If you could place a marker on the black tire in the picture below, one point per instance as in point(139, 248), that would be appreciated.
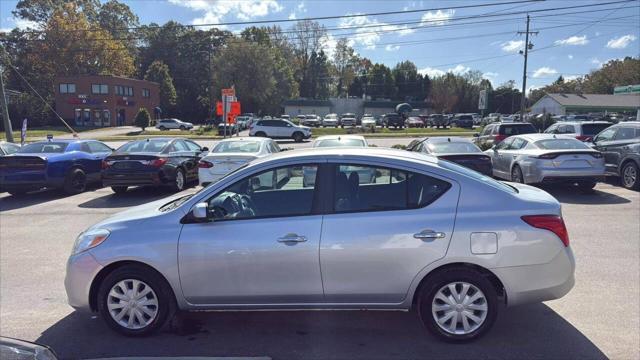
point(586, 186)
point(177, 185)
point(75, 182)
point(342, 126)
point(516, 175)
point(630, 176)
point(261, 134)
point(297, 137)
point(182, 128)
point(162, 128)
point(441, 279)
point(163, 295)
point(119, 189)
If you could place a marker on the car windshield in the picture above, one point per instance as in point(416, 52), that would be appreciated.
point(561, 144)
point(593, 129)
point(148, 146)
point(339, 142)
point(43, 147)
point(237, 147)
point(453, 147)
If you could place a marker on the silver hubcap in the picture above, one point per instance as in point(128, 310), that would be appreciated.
point(630, 175)
point(459, 308)
point(132, 304)
point(179, 180)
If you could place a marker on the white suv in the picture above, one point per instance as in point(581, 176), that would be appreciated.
point(167, 124)
point(280, 129)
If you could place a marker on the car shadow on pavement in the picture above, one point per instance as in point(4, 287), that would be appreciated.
point(12, 202)
point(572, 195)
point(533, 331)
point(133, 197)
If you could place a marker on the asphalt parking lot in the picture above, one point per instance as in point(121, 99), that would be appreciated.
point(599, 318)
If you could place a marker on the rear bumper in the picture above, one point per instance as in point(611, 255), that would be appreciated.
point(205, 177)
point(156, 178)
point(534, 175)
point(541, 282)
point(29, 181)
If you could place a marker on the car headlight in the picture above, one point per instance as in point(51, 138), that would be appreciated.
point(89, 239)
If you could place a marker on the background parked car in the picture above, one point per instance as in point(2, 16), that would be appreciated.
point(393, 120)
point(547, 158)
point(280, 129)
point(63, 164)
point(311, 120)
point(414, 122)
point(7, 148)
point(462, 121)
point(340, 140)
point(165, 162)
point(581, 130)
point(230, 154)
point(368, 122)
point(455, 149)
point(168, 124)
point(230, 128)
point(438, 120)
point(348, 119)
point(285, 117)
point(620, 146)
point(330, 120)
point(493, 133)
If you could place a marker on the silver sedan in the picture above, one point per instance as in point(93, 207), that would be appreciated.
point(547, 158)
point(260, 238)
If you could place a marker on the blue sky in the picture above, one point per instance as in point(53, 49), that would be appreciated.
point(436, 41)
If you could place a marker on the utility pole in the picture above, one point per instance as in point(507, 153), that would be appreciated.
point(5, 111)
point(527, 47)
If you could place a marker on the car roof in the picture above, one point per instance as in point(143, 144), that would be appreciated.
point(634, 123)
point(329, 137)
point(68, 141)
point(580, 122)
point(442, 139)
point(544, 136)
point(244, 138)
point(311, 154)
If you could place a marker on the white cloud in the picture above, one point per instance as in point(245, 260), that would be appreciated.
point(433, 72)
point(512, 46)
point(329, 45)
point(300, 9)
point(368, 32)
point(570, 57)
point(621, 42)
point(21, 24)
point(392, 47)
point(215, 10)
point(436, 18)
point(489, 75)
point(571, 77)
point(544, 71)
point(573, 40)
point(292, 16)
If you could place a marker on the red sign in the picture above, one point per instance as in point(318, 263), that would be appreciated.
point(231, 118)
point(219, 108)
point(235, 108)
point(229, 92)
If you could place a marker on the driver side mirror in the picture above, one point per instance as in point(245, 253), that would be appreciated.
point(204, 149)
point(200, 212)
point(476, 135)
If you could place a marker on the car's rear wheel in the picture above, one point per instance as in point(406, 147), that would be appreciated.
point(261, 134)
point(297, 137)
point(630, 176)
point(119, 189)
point(134, 301)
point(162, 128)
point(458, 305)
point(179, 181)
point(516, 174)
point(75, 182)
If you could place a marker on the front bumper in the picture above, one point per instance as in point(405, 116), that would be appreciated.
point(81, 270)
point(541, 282)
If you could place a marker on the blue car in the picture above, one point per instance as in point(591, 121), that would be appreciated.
point(63, 164)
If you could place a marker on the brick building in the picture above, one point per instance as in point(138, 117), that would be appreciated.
point(104, 100)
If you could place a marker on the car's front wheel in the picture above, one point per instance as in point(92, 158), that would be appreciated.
point(458, 305)
point(630, 176)
point(516, 175)
point(75, 182)
point(179, 181)
point(297, 137)
point(261, 134)
point(134, 300)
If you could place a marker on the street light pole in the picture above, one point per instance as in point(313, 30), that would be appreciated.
point(527, 45)
point(5, 111)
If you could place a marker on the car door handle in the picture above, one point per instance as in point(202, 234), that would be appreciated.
point(429, 235)
point(292, 238)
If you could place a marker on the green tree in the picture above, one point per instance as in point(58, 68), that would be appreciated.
point(116, 18)
point(142, 119)
point(159, 72)
point(344, 60)
point(41, 11)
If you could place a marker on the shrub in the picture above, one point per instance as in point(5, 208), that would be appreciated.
point(142, 119)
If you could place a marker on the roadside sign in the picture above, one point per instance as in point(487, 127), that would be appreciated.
point(219, 108)
point(483, 100)
point(228, 92)
point(235, 108)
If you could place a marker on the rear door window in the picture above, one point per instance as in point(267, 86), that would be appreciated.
point(517, 144)
point(96, 147)
point(625, 133)
point(365, 188)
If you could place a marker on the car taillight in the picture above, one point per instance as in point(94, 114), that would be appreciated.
point(546, 156)
point(204, 164)
point(499, 138)
point(553, 223)
point(158, 162)
point(583, 137)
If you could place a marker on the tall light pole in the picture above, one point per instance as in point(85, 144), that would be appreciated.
point(5, 111)
point(527, 47)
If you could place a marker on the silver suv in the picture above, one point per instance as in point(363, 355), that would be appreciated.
point(168, 124)
point(280, 129)
point(260, 238)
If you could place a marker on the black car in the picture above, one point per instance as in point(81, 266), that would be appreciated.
point(156, 162)
point(455, 149)
point(393, 119)
point(620, 146)
point(462, 121)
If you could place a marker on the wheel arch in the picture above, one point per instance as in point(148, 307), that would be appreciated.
point(493, 279)
point(104, 272)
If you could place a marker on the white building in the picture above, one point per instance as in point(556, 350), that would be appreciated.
point(563, 104)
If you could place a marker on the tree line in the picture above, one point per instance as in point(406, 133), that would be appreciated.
point(267, 64)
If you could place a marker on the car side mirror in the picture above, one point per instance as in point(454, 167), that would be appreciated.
point(200, 212)
point(204, 149)
point(476, 135)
